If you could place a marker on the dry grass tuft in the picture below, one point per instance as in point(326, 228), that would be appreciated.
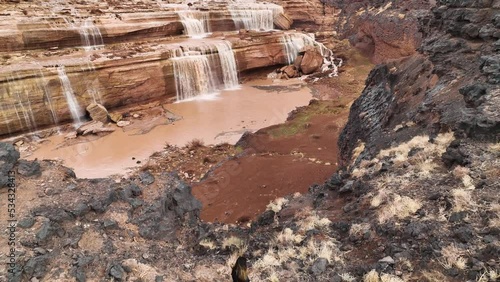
point(140, 271)
point(452, 257)
point(357, 151)
point(390, 278)
point(277, 204)
point(359, 229)
point(371, 276)
point(379, 199)
point(313, 222)
point(462, 200)
point(347, 277)
point(399, 207)
point(434, 276)
point(207, 243)
point(400, 152)
point(495, 147)
point(287, 237)
point(239, 243)
point(195, 144)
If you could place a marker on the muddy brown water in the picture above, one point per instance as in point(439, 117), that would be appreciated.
point(212, 119)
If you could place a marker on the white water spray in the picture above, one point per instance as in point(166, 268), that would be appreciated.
point(74, 108)
point(254, 16)
point(195, 22)
point(197, 73)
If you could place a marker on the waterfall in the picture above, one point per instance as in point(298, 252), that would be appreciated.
point(195, 22)
point(23, 105)
point(193, 76)
point(197, 72)
point(4, 111)
point(254, 16)
point(74, 108)
point(47, 95)
point(90, 35)
point(294, 43)
point(228, 64)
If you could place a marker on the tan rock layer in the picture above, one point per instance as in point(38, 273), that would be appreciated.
point(39, 34)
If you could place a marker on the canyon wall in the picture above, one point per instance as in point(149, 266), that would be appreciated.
point(451, 83)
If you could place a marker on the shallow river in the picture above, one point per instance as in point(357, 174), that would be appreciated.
point(215, 119)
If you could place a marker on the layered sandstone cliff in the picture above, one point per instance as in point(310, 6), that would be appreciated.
point(116, 54)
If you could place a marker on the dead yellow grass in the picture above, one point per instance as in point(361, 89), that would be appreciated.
point(277, 204)
point(462, 200)
point(140, 271)
point(357, 151)
point(452, 256)
point(399, 207)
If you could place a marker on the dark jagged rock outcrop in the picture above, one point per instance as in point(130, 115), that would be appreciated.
point(451, 83)
point(8, 158)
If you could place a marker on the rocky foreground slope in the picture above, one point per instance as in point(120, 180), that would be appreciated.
point(417, 198)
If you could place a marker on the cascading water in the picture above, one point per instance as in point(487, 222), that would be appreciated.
point(195, 22)
point(74, 108)
point(293, 43)
point(23, 105)
point(196, 71)
point(47, 95)
point(228, 63)
point(254, 16)
point(90, 35)
point(193, 76)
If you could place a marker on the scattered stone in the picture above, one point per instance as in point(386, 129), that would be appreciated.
point(146, 177)
point(89, 127)
point(266, 218)
point(123, 123)
point(182, 201)
point(115, 117)
point(454, 156)
point(319, 266)
point(98, 112)
point(283, 21)
point(116, 271)
point(80, 209)
point(26, 222)
point(347, 188)
point(457, 217)
point(465, 234)
point(28, 168)
point(8, 158)
point(36, 267)
point(71, 135)
point(45, 231)
point(388, 260)
point(40, 251)
point(311, 61)
point(290, 71)
point(109, 224)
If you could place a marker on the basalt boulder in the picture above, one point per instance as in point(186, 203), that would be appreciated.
point(8, 158)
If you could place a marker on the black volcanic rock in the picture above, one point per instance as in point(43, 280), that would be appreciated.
point(8, 158)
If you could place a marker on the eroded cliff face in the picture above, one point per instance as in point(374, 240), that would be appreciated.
point(450, 84)
point(116, 54)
